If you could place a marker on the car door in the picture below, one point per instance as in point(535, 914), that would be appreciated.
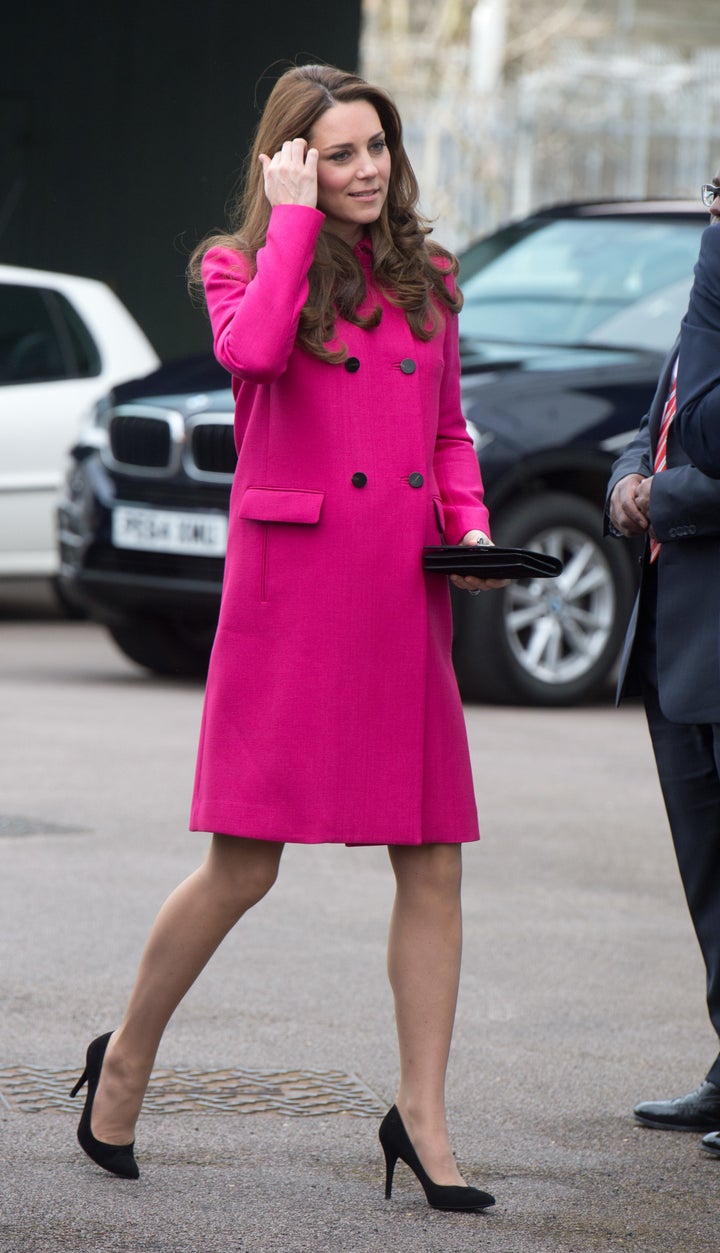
point(49, 368)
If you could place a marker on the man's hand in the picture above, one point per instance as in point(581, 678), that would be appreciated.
point(630, 505)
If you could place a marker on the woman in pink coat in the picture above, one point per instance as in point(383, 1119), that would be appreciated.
point(332, 713)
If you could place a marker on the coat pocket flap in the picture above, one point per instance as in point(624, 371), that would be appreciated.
point(281, 504)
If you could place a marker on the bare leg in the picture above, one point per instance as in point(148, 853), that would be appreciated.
point(424, 950)
point(191, 924)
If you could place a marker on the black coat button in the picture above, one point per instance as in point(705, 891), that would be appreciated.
point(352, 365)
point(359, 479)
point(416, 480)
point(408, 366)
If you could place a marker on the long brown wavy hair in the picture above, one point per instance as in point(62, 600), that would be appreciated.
point(404, 260)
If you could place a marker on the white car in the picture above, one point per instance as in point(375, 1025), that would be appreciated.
point(64, 342)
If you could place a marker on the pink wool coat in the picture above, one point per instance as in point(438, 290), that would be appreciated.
point(332, 713)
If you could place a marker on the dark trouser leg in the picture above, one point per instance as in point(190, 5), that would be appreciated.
point(688, 763)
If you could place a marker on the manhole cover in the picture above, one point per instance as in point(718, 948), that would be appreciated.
point(299, 1093)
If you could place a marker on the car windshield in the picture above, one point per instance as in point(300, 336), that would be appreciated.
point(609, 282)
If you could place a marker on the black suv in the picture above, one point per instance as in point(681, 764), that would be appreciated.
point(568, 315)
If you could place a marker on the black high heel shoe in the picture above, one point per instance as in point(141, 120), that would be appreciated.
point(117, 1158)
point(396, 1144)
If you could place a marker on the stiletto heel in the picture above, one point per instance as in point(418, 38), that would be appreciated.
point(396, 1144)
point(390, 1160)
point(119, 1159)
point(80, 1082)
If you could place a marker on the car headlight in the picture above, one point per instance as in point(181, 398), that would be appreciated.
point(93, 435)
point(74, 482)
point(91, 439)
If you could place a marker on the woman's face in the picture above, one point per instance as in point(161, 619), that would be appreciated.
point(353, 167)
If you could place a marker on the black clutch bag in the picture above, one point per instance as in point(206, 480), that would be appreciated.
point(487, 561)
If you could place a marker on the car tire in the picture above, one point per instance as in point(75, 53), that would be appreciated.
point(166, 647)
point(547, 641)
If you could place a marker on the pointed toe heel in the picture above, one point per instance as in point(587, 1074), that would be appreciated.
point(397, 1144)
point(119, 1159)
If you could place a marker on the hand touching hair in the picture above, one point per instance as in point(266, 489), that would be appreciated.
point(410, 269)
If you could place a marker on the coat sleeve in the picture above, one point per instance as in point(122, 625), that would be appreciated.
point(254, 317)
point(684, 505)
point(636, 458)
point(457, 472)
point(697, 421)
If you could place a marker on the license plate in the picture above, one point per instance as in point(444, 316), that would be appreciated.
point(169, 531)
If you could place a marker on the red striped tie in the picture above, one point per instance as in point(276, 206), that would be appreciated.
point(660, 461)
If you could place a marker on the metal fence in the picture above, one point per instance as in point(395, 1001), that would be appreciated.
point(589, 126)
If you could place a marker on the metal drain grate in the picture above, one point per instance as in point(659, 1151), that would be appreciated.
point(299, 1093)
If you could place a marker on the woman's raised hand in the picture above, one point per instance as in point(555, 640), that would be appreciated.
point(291, 175)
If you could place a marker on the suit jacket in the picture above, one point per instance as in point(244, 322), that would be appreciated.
point(685, 515)
point(698, 416)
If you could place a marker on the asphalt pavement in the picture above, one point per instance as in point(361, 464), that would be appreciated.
point(582, 993)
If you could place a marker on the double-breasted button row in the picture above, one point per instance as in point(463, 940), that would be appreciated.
point(407, 365)
point(359, 479)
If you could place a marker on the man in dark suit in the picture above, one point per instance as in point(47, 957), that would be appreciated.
point(698, 409)
point(671, 658)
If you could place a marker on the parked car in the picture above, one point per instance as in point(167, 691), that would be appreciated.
point(568, 315)
point(64, 341)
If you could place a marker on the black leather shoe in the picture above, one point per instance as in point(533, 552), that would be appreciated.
point(698, 1111)
point(711, 1144)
